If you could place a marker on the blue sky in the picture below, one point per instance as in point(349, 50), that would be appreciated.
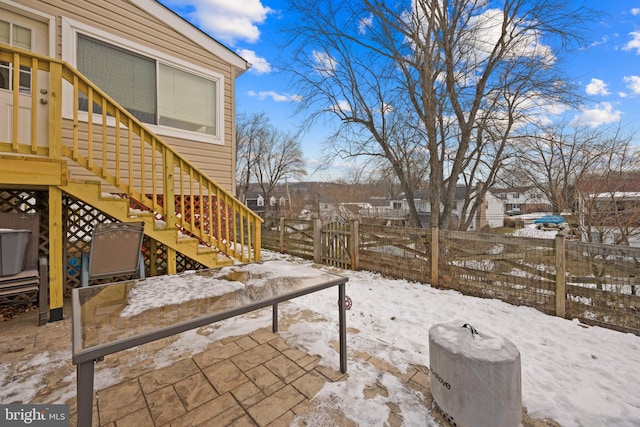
point(607, 71)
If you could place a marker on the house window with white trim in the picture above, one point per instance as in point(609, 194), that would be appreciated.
point(17, 36)
point(154, 92)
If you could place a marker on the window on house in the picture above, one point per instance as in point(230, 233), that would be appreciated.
point(17, 36)
point(516, 195)
point(153, 92)
point(186, 101)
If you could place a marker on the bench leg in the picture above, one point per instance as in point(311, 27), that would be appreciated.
point(343, 327)
point(84, 383)
point(274, 312)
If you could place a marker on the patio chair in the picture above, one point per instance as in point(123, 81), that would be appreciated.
point(24, 275)
point(115, 252)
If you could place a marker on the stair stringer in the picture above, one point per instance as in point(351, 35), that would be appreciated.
point(91, 192)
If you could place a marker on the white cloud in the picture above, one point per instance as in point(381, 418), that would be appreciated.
point(226, 21)
point(324, 63)
point(343, 106)
point(600, 115)
point(633, 83)
point(259, 65)
point(603, 40)
point(275, 96)
point(634, 44)
point(597, 87)
point(635, 11)
point(365, 23)
point(488, 28)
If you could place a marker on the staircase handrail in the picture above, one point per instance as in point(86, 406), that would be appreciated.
point(163, 173)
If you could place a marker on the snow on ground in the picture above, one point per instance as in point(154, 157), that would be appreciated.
point(530, 230)
point(574, 374)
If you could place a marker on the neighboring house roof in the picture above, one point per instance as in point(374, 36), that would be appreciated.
point(598, 185)
point(425, 194)
point(190, 31)
point(511, 190)
point(252, 195)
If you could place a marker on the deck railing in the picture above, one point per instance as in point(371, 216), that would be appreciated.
point(110, 143)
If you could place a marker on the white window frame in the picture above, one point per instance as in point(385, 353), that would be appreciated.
point(70, 30)
point(24, 71)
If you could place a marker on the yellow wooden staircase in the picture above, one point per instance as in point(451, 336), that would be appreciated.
point(107, 158)
point(119, 208)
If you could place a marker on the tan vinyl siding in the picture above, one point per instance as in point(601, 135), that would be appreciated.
point(127, 21)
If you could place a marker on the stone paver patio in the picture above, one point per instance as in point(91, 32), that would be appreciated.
point(249, 380)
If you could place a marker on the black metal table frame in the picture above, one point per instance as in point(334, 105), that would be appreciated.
point(86, 359)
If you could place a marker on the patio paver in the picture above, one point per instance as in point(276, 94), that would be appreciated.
point(256, 379)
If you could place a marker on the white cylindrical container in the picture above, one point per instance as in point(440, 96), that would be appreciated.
point(475, 376)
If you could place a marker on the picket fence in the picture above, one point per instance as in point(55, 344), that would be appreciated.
point(594, 283)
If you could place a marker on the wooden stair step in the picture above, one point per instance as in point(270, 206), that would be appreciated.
point(91, 192)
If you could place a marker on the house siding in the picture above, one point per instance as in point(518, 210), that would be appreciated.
point(128, 21)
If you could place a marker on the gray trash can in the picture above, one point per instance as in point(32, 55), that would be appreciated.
point(475, 376)
point(13, 250)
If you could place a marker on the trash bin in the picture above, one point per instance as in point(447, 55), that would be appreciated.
point(475, 376)
point(13, 250)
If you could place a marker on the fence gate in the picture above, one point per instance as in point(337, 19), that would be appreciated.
point(335, 249)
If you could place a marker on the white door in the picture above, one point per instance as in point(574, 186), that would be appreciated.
point(26, 33)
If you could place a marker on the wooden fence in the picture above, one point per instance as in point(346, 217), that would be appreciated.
point(597, 284)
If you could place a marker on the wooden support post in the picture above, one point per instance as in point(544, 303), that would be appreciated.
point(561, 268)
point(281, 234)
point(317, 240)
point(171, 261)
point(354, 244)
point(170, 207)
point(153, 257)
point(435, 253)
point(55, 111)
point(56, 245)
point(257, 234)
point(56, 239)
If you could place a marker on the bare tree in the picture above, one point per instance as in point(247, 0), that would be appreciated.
point(278, 156)
point(609, 197)
point(445, 81)
point(250, 130)
point(265, 155)
point(558, 156)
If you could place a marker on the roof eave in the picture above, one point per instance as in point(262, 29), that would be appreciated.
point(193, 33)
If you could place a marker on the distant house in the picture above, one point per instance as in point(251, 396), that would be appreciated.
point(609, 208)
point(255, 202)
point(490, 213)
point(522, 200)
point(277, 204)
